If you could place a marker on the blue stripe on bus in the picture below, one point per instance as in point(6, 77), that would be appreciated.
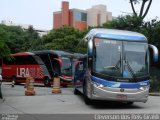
point(107, 83)
point(122, 37)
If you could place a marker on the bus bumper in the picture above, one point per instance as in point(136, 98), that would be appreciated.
point(116, 94)
point(66, 79)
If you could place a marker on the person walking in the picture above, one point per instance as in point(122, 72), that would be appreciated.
point(1, 97)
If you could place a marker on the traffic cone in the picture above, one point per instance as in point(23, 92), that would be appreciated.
point(56, 85)
point(29, 86)
point(12, 84)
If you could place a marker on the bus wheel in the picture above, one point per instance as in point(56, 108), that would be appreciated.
point(129, 103)
point(13, 79)
point(86, 99)
point(46, 82)
point(64, 85)
point(76, 92)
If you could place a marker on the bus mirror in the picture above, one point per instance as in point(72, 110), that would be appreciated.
point(155, 52)
point(90, 48)
point(59, 61)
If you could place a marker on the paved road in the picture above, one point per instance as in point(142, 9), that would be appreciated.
point(44, 102)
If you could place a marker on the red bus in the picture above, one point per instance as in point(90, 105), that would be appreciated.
point(41, 65)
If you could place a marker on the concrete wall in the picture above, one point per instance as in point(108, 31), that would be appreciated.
point(57, 20)
point(92, 17)
point(97, 15)
point(109, 16)
point(80, 25)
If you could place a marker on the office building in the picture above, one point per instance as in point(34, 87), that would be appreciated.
point(81, 19)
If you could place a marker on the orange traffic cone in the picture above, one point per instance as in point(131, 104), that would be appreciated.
point(29, 86)
point(56, 85)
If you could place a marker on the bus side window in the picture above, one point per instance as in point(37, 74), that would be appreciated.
point(9, 62)
point(23, 60)
point(57, 68)
point(29, 60)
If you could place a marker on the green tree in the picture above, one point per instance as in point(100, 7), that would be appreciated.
point(4, 49)
point(32, 40)
point(65, 38)
point(151, 29)
point(124, 23)
point(18, 39)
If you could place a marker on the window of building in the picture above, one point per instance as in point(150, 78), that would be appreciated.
point(79, 16)
point(83, 16)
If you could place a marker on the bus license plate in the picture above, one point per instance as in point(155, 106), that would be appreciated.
point(121, 96)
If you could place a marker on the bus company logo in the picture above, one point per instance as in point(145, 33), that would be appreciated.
point(121, 90)
point(34, 72)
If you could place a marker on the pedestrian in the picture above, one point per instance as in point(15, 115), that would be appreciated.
point(1, 97)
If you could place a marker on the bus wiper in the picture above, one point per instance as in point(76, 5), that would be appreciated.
point(130, 69)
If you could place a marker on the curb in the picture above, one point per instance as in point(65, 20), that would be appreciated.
point(154, 94)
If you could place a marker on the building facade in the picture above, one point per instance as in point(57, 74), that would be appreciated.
point(81, 19)
point(97, 15)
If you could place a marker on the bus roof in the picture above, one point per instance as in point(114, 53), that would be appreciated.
point(79, 55)
point(56, 52)
point(22, 54)
point(116, 34)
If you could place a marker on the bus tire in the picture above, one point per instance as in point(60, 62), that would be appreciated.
point(76, 92)
point(86, 99)
point(129, 103)
point(47, 82)
point(64, 85)
point(13, 79)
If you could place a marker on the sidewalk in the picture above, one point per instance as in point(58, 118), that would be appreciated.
point(154, 94)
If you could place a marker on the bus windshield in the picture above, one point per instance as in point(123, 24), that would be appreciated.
point(136, 58)
point(122, 59)
point(66, 66)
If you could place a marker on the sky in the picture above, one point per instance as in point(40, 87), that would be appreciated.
point(39, 13)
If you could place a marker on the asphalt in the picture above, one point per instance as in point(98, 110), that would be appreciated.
point(46, 103)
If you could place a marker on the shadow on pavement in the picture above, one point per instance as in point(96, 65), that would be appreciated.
point(102, 104)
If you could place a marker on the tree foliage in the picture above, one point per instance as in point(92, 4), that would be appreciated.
point(151, 29)
point(124, 23)
point(14, 39)
point(32, 41)
point(4, 49)
point(65, 38)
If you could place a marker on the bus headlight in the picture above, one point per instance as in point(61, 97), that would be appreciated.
point(144, 88)
point(98, 85)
